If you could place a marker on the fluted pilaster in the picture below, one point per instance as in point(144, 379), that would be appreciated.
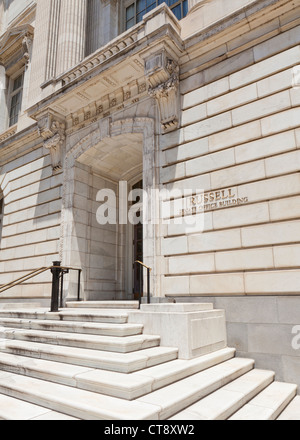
point(3, 106)
point(94, 26)
point(53, 14)
point(43, 66)
point(72, 34)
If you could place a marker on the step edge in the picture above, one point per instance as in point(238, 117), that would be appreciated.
point(206, 389)
point(13, 387)
point(244, 398)
point(19, 362)
point(88, 358)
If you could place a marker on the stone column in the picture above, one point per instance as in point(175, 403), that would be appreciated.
point(2, 16)
point(94, 27)
point(44, 52)
point(54, 14)
point(72, 34)
point(109, 22)
point(3, 106)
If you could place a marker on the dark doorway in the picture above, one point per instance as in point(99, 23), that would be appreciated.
point(138, 251)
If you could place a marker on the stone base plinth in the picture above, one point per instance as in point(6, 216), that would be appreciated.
point(195, 329)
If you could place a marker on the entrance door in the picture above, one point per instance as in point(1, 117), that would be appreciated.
point(137, 252)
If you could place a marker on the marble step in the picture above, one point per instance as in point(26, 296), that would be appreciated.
point(268, 404)
point(74, 402)
point(18, 305)
point(292, 411)
point(126, 386)
point(103, 304)
point(92, 328)
point(16, 409)
point(106, 360)
point(96, 342)
point(181, 394)
point(228, 399)
point(157, 405)
point(103, 316)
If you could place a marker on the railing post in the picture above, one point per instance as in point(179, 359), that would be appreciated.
point(62, 286)
point(55, 286)
point(78, 285)
point(142, 265)
point(148, 285)
point(141, 285)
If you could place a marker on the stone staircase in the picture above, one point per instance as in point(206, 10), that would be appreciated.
point(88, 361)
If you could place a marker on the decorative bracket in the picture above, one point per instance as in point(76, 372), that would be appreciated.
point(52, 129)
point(162, 73)
point(27, 43)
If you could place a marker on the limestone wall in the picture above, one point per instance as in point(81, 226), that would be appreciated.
point(31, 221)
point(265, 329)
point(239, 133)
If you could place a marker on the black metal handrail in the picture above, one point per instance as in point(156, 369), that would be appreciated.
point(141, 281)
point(58, 272)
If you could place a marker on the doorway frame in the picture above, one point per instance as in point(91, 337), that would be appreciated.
point(97, 132)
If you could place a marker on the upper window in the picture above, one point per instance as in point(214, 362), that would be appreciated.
point(15, 98)
point(138, 8)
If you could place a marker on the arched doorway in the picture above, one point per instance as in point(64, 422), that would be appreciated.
point(123, 152)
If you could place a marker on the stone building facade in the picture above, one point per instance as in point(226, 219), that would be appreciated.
point(196, 97)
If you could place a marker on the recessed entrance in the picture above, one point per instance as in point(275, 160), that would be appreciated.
point(102, 249)
point(117, 153)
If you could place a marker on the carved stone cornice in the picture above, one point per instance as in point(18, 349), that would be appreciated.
point(15, 44)
point(162, 73)
point(51, 128)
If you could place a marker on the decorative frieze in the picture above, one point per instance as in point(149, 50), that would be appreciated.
point(128, 95)
point(52, 129)
point(162, 73)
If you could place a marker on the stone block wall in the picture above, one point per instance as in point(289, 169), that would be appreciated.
point(239, 135)
point(266, 329)
point(31, 222)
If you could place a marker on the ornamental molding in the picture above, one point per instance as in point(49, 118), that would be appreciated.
point(15, 45)
point(27, 44)
point(109, 104)
point(119, 46)
point(51, 127)
point(162, 74)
